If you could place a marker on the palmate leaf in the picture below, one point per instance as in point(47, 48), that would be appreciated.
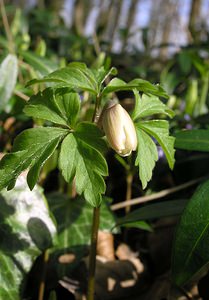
point(74, 219)
point(30, 150)
point(58, 106)
point(82, 159)
point(148, 131)
point(159, 129)
point(102, 74)
point(190, 251)
point(141, 85)
point(75, 76)
point(147, 154)
point(148, 105)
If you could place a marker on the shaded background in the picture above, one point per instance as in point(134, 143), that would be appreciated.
point(127, 25)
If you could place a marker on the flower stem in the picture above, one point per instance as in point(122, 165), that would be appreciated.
point(129, 181)
point(95, 227)
point(92, 258)
point(96, 110)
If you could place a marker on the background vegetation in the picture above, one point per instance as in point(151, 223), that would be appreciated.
point(164, 41)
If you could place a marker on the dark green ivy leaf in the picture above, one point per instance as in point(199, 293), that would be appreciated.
point(74, 219)
point(75, 76)
point(26, 229)
point(56, 107)
point(30, 150)
point(80, 157)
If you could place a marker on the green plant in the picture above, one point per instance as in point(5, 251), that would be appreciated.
point(81, 145)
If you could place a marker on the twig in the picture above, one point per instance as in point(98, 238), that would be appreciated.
point(157, 195)
point(6, 27)
point(186, 293)
point(21, 95)
point(43, 276)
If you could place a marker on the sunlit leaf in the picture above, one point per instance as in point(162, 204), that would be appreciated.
point(79, 158)
point(159, 129)
point(59, 108)
point(146, 156)
point(30, 150)
point(148, 105)
point(102, 74)
point(141, 85)
point(76, 76)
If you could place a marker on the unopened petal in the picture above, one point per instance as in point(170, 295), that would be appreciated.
point(119, 129)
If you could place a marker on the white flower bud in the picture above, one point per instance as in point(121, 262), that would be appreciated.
point(119, 129)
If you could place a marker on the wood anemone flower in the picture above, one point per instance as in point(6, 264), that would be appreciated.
point(119, 129)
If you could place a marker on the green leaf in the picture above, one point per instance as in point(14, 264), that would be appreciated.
point(102, 74)
point(141, 85)
point(53, 106)
point(11, 165)
point(8, 78)
point(146, 156)
point(30, 150)
point(87, 133)
point(71, 106)
point(154, 211)
point(22, 213)
point(159, 129)
point(149, 105)
point(74, 219)
point(76, 76)
point(79, 158)
point(192, 97)
point(138, 224)
point(190, 251)
point(41, 64)
point(196, 140)
point(185, 61)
